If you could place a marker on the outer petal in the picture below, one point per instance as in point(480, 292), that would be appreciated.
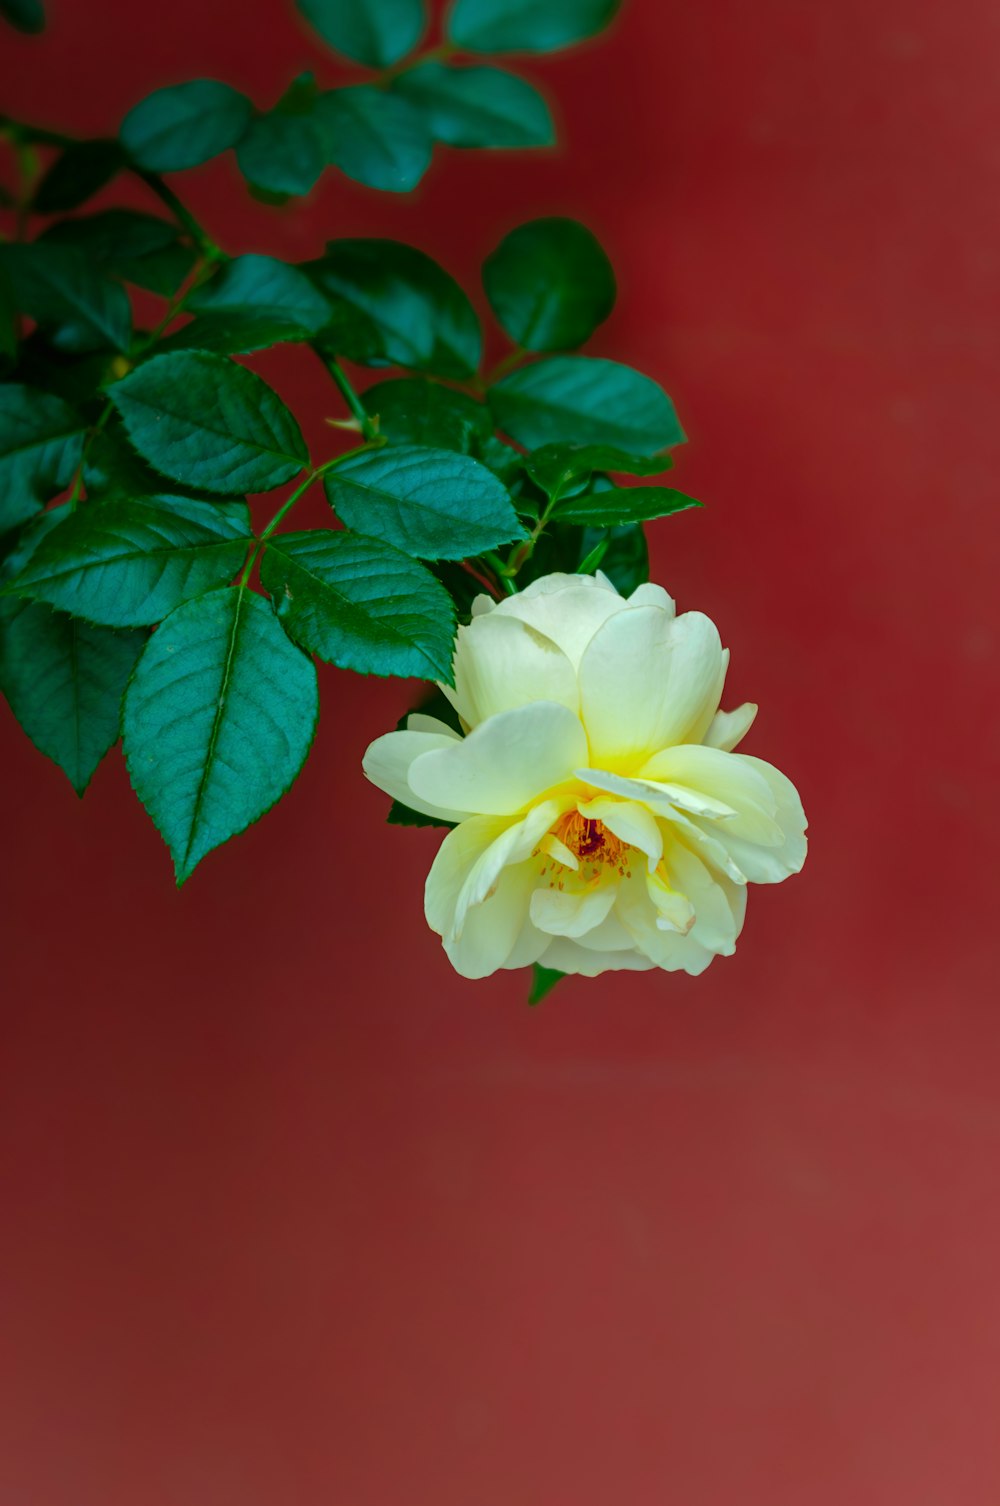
point(418, 722)
point(667, 949)
point(493, 929)
point(727, 778)
point(714, 926)
point(387, 763)
point(570, 957)
point(728, 728)
point(504, 763)
point(651, 595)
point(455, 860)
point(514, 845)
point(643, 679)
point(502, 663)
point(569, 609)
point(659, 796)
point(768, 865)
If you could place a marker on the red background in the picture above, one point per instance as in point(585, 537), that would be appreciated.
point(293, 1215)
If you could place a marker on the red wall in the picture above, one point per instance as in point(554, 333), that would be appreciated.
point(294, 1217)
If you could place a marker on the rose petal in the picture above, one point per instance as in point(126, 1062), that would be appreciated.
point(505, 762)
point(387, 764)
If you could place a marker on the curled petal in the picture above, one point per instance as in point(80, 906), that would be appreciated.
point(573, 911)
point(388, 761)
point(728, 728)
point(502, 663)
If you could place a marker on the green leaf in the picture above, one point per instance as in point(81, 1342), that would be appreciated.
point(77, 173)
point(567, 547)
point(375, 32)
point(409, 312)
point(411, 410)
point(282, 153)
point(76, 379)
point(429, 503)
point(543, 981)
point(401, 815)
point(262, 284)
point(360, 603)
point(623, 504)
point(558, 468)
point(25, 15)
point(375, 137)
point(8, 325)
point(61, 288)
point(577, 398)
point(549, 284)
point(477, 107)
point(207, 422)
point(130, 563)
point(526, 25)
point(251, 303)
point(140, 248)
point(111, 467)
point(502, 458)
point(64, 680)
point(41, 440)
point(184, 125)
point(219, 717)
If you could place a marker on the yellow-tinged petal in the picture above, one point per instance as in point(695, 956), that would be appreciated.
point(569, 609)
point(571, 911)
point(730, 727)
point(629, 822)
point(706, 775)
point(505, 763)
point(388, 761)
point(502, 663)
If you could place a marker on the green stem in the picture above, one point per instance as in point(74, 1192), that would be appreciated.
point(439, 54)
point(351, 398)
point(501, 572)
point(289, 503)
point(523, 552)
point(512, 359)
point(180, 212)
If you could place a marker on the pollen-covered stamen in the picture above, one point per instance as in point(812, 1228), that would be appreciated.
point(588, 847)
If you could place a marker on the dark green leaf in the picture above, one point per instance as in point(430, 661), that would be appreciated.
point(411, 313)
point(462, 587)
point(502, 458)
point(477, 107)
point(375, 137)
point(401, 815)
point(219, 716)
point(207, 422)
point(559, 468)
point(375, 32)
point(566, 547)
point(184, 125)
point(65, 292)
point(583, 398)
point(429, 503)
point(550, 284)
point(129, 563)
point(111, 467)
point(411, 410)
point(76, 379)
point(77, 173)
point(18, 547)
point(8, 325)
point(282, 153)
point(433, 702)
point(64, 680)
point(140, 248)
point(526, 25)
point(41, 439)
point(360, 603)
point(543, 981)
point(623, 504)
point(262, 285)
point(26, 15)
point(251, 303)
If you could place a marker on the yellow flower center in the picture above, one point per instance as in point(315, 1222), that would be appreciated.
point(595, 848)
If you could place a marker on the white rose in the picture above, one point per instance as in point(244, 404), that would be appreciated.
point(603, 820)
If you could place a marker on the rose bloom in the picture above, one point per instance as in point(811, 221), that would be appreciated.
point(602, 817)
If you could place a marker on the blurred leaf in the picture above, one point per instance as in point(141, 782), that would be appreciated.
point(219, 717)
point(184, 125)
point(140, 248)
point(477, 107)
point(64, 680)
point(430, 503)
point(526, 25)
point(60, 287)
point(207, 422)
point(375, 32)
point(549, 284)
point(585, 399)
point(407, 310)
point(25, 15)
point(77, 173)
point(374, 137)
point(41, 439)
point(251, 302)
point(360, 603)
point(130, 563)
point(411, 410)
point(283, 152)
